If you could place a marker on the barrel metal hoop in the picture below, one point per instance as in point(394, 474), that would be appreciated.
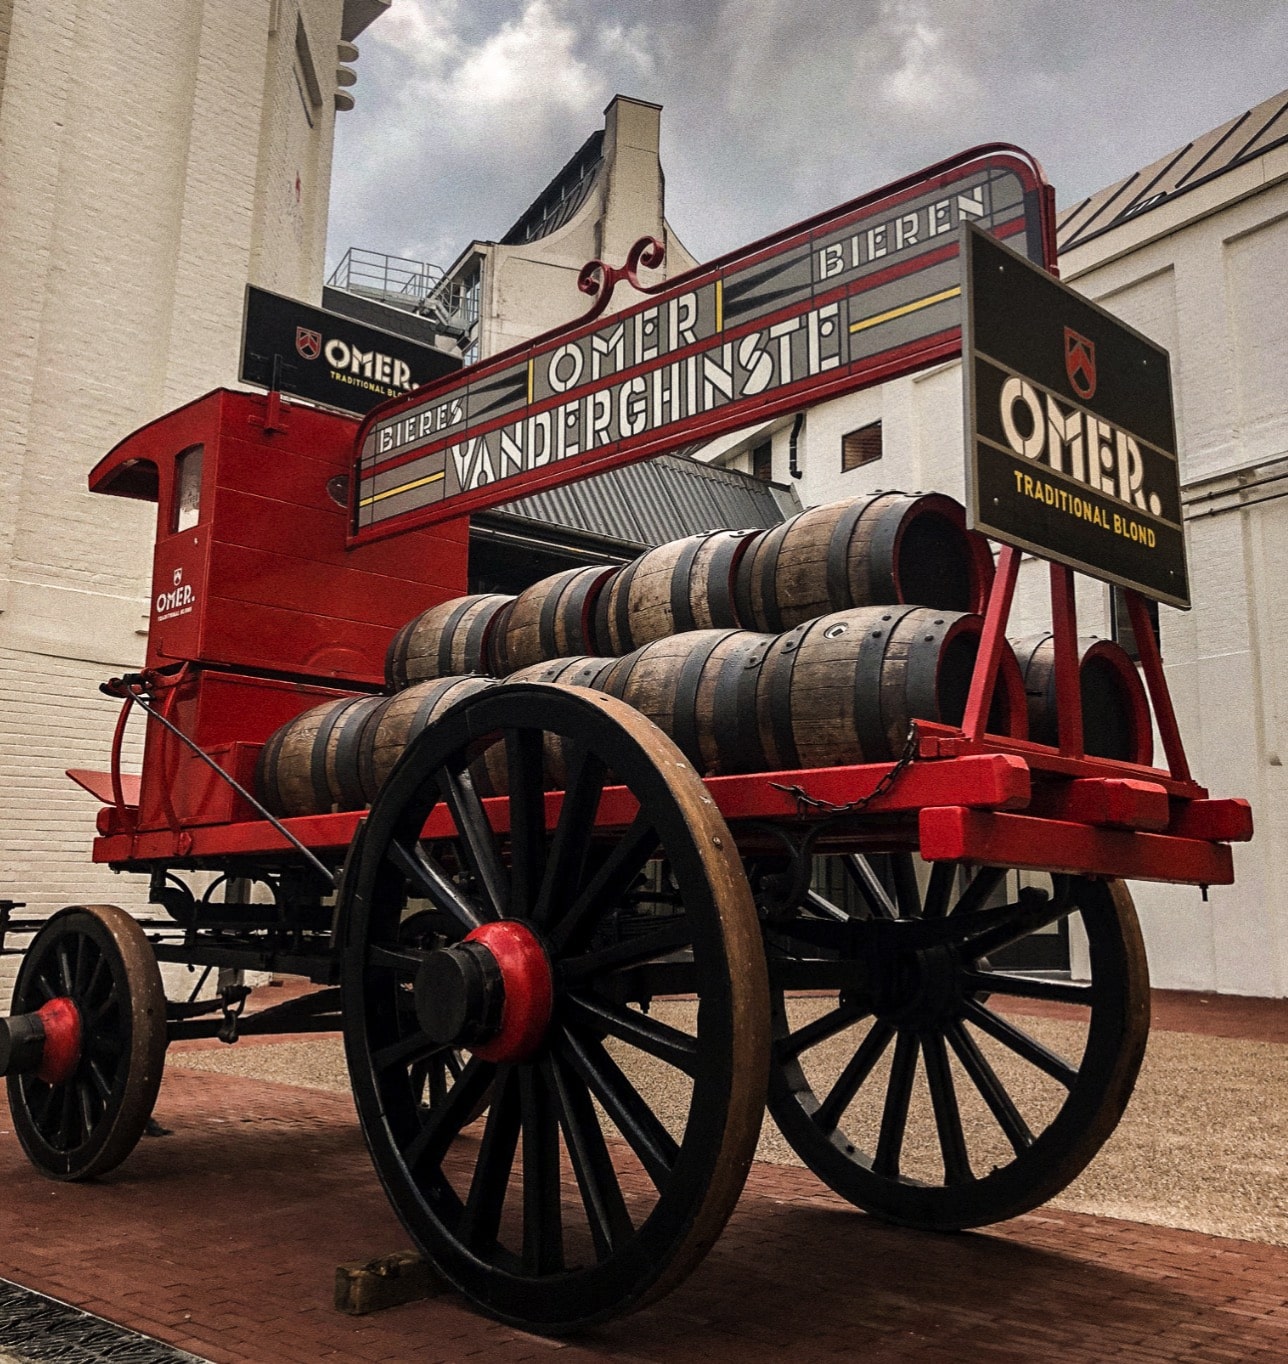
point(621, 604)
point(773, 543)
point(922, 688)
point(348, 752)
point(317, 754)
point(476, 635)
point(681, 587)
point(445, 665)
point(734, 725)
point(720, 580)
point(869, 661)
point(887, 533)
point(839, 591)
point(550, 611)
point(781, 663)
point(685, 712)
point(396, 655)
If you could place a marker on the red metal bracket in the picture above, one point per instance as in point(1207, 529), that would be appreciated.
point(992, 641)
point(1156, 683)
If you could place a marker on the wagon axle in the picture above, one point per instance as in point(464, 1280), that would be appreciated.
point(491, 993)
point(46, 1043)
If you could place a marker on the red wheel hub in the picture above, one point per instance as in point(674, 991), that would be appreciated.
point(491, 993)
point(62, 1052)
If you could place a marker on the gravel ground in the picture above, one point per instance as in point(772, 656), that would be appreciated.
point(1202, 1146)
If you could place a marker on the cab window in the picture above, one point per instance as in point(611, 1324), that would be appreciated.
point(187, 488)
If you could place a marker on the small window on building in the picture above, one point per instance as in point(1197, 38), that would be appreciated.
point(861, 447)
point(762, 462)
point(1123, 633)
point(187, 488)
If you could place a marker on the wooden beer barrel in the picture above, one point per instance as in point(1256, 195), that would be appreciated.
point(846, 687)
point(402, 717)
point(448, 640)
point(311, 765)
point(684, 585)
point(1115, 708)
point(551, 619)
point(888, 548)
point(580, 671)
point(699, 688)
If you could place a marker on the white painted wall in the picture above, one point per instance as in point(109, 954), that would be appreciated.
point(157, 155)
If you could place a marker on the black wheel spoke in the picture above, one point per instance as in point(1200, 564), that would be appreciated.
point(819, 1030)
point(476, 841)
point(112, 1002)
point(84, 1109)
point(894, 1116)
point(80, 972)
point(939, 891)
point(408, 1051)
point(868, 883)
point(1033, 911)
point(991, 1089)
point(1021, 1043)
point(610, 881)
point(402, 961)
point(659, 1039)
point(542, 1182)
point(63, 956)
point(100, 1080)
point(985, 881)
point(948, 1118)
point(443, 1123)
point(98, 975)
point(824, 908)
point(633, 1118)
point(525, 768)
point(852, 1078)
point(906, 891)
point(486, 1199)
point(565, 866)
point(429, 881)
point(45, 985)
point(104, 1044)
point(601, 1195)
point(648, 946)
point(1030, 987)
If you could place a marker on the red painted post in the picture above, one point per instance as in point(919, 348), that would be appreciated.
point(990, 645)
point(1068, 685)
point(1152, 665)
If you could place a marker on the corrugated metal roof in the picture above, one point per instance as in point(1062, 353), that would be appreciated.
point(1222, 149)
point(657, 500)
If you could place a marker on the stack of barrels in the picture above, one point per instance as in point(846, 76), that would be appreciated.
point(815, 643)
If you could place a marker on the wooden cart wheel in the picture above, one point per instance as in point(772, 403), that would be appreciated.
point(609, 991)
point(924, 1089)
point(83, 1078)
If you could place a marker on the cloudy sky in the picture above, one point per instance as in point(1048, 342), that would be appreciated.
point(772, 109)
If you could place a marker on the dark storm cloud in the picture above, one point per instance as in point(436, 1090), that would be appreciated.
point(773, 109)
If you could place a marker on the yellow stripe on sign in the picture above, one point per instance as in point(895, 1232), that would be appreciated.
point(719, 305)
point(905, 310)
point(405, 488)
point(531, 372)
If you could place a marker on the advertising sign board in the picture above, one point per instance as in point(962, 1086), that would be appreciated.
point(1071, 440)
point(329, 358)
point(864, 293)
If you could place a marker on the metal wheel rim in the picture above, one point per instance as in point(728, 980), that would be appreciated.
point(1117, 1011)
point(697, 1181)
point(98, 956)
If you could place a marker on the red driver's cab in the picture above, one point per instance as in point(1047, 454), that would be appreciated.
point(252, 586)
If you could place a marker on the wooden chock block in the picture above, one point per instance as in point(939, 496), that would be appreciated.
point(386, 1281)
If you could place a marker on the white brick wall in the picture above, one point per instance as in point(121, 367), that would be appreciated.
point(151, 150)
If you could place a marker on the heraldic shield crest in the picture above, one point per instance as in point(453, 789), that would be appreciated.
point(308, 343)
point(1080, 363)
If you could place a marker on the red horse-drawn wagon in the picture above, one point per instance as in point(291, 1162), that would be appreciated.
point(570, 969)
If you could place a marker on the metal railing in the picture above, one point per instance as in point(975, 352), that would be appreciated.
point(414, 285)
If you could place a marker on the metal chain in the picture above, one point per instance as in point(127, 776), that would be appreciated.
point(805, 802)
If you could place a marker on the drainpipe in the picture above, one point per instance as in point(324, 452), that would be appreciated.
point(793, 467)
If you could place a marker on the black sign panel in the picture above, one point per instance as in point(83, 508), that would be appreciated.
point(329, 358)
point(1071, 442)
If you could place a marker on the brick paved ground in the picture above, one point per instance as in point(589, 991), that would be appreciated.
point(223, 1239)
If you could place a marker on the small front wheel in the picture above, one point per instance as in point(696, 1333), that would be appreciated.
point(86, 1042)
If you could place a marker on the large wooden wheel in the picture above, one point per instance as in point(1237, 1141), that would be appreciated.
point(621, 1116)
point(85, 1045)
point(927, 1087)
